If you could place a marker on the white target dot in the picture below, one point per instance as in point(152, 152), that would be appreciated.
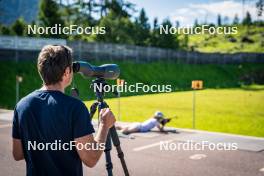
point(261, 170)
point(197, 156)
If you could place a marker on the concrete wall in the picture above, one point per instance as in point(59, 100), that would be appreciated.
point(113, 52)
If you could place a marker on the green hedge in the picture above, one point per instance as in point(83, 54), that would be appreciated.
point(178, 75)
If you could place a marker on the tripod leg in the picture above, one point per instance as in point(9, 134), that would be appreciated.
point(93, 109)
point(112, 134)
point(108, 147)
point(120, 153)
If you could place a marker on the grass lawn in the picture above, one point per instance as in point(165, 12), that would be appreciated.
point(220, 43)
point(238, 111)
point(177, 75)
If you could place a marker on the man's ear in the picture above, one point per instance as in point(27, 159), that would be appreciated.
point(67, 71)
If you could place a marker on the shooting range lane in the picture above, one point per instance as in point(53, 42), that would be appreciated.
point(5, 125)
point(145, 151)
point(153, 161)
point(6, 115)
point(150, 145)
point(5, 118)
point(8, 165)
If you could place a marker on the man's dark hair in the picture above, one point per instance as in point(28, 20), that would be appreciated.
point(52, 62)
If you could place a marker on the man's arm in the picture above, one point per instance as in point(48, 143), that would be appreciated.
point(17, 150)
point(160, 127)
point(91, 157)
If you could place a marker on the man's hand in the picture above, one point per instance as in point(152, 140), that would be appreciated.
point(107, 118)
point(91, 157)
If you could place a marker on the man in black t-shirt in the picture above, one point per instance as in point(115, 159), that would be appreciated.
point(53, 131)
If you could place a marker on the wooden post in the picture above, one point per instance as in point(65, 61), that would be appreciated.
point(196, 85)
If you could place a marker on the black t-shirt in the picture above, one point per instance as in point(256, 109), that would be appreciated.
point(47, 119)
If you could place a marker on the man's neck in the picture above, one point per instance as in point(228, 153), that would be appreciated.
point(57, 87)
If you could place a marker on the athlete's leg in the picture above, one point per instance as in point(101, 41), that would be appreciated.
point(121, 127)
point(132, 128)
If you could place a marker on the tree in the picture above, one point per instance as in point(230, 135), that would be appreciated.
point(88, 7)
point(185, 42)
point(167, 40)
point(71, 13)
point(196, 23)
point(260, 7)
point(236, 20)
point(118, 29)
point(83, 12)
point(142, 29)
point(155, 23)
point(154, 34)
point(177, 24)
point(49, 15)
point(19, 27)
point(119, 7)
point(5, 30)
point(80, 12)
point(247, 20)
point(219, 20)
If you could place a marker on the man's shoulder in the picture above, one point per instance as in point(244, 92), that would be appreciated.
point(25, 101)
point(37, 95)
point(74, 100)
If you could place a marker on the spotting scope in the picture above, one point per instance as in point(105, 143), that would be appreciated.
point(106, 71)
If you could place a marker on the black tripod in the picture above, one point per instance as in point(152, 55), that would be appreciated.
point(112, 134)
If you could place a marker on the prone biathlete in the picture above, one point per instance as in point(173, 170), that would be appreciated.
point(157, 120)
